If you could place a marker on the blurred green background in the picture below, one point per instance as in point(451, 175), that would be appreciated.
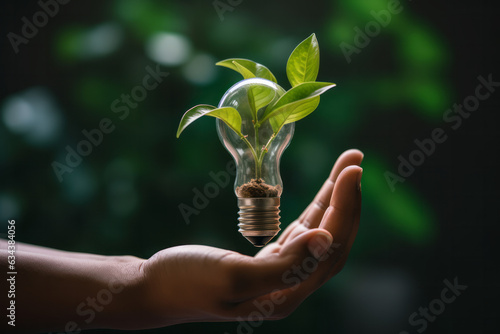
point(123, 198)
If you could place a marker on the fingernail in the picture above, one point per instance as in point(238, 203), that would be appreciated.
point(358, 182)
point(319, 245)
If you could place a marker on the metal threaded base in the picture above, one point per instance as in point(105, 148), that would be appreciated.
point(259, 219)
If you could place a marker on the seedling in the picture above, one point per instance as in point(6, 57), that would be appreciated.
point(298, 102)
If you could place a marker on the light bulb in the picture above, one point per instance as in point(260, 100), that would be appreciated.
point(258, 183)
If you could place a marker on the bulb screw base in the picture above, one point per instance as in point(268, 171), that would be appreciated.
point(259, 219)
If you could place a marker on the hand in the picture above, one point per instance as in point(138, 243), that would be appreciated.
point(199, 283)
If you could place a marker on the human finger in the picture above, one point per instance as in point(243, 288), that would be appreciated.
point(313, 215)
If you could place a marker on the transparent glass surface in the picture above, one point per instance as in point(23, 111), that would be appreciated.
point(258, 155)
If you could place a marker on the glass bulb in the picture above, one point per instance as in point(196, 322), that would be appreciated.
point(258, 184)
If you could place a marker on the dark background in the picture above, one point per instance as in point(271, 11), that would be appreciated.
point(124, 197)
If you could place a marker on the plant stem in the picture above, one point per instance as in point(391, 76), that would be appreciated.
point(258, 163)
point(255, 157)
point(264, 149)
point(258, 152)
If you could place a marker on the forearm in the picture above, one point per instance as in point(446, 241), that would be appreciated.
point(65, 294)
point(23, 247)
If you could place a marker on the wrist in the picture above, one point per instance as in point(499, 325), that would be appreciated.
point(122, 297)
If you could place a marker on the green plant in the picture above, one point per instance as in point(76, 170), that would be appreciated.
point(298, 102)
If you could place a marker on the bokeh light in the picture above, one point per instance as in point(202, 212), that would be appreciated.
point(200, 69)
point(168, 49)
point(33, 114)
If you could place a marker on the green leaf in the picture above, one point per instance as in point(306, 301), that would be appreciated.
point(302, 91)
point(246, 73)
point(258, 70)
point(298, 114)
point(303, 64)
point(259, 97)
point(228, 115)
point(294, 112)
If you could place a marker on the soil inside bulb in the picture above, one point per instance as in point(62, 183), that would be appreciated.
point(258, 188)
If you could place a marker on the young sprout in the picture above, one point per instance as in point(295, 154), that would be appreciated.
point(255, 122)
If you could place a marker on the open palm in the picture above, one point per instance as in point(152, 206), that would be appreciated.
point(199, 283)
